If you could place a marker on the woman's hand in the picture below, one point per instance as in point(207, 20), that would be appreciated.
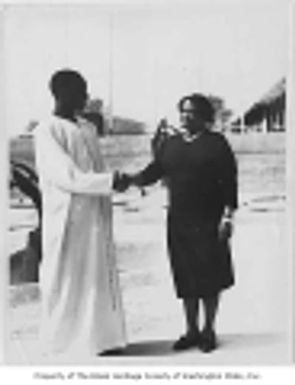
point(121, 181)
point(225, 228)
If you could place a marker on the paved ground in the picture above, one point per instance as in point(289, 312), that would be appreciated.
point(253, 319)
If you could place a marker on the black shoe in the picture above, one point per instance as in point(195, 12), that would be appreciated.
point(187, 341)
point(208, 342)
point(112, 352)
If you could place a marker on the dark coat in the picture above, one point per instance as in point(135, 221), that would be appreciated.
point(201, 176)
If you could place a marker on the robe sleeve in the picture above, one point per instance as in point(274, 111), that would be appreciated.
point(228, 175)
point(57, 167)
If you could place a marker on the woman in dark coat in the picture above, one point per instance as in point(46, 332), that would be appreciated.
point(201, 175)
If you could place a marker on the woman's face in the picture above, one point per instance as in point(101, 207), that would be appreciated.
point(190, 118)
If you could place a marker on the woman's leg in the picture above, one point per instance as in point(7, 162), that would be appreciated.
point(191, 311)
point(192, 336)
point(208, 342)
point(210, 312)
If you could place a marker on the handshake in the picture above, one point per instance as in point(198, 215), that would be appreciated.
point(122, 181)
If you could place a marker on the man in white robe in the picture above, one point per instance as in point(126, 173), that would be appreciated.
point(81, 299)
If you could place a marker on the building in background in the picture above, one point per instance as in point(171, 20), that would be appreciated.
point(268, 114)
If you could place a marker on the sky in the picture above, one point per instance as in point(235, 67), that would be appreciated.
point(141, 58)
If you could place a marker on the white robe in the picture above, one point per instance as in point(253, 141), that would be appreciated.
point(82, 307)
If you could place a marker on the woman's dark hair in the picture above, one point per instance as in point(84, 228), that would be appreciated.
point(66, 81)
point(202, 103)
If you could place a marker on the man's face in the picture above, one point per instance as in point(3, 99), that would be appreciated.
point(190, 118)
point(79, 98)
point(74, 98)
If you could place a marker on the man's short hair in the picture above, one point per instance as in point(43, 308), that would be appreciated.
point(65, 81)
point(202, 103)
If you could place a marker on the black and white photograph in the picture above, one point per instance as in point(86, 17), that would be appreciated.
point(147, 184)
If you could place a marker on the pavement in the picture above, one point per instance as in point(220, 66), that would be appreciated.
point(254, 320)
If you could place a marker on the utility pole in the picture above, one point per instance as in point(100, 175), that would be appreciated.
point(111, 73)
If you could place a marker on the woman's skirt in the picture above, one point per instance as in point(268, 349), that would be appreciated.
point(201, 263)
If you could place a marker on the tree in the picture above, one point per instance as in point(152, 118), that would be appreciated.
point(223, 114)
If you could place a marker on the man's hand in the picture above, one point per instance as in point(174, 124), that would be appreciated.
point(121, 182)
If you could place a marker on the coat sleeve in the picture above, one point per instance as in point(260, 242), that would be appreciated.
point(56, 166)
point(228, 175)
point(149, 175)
